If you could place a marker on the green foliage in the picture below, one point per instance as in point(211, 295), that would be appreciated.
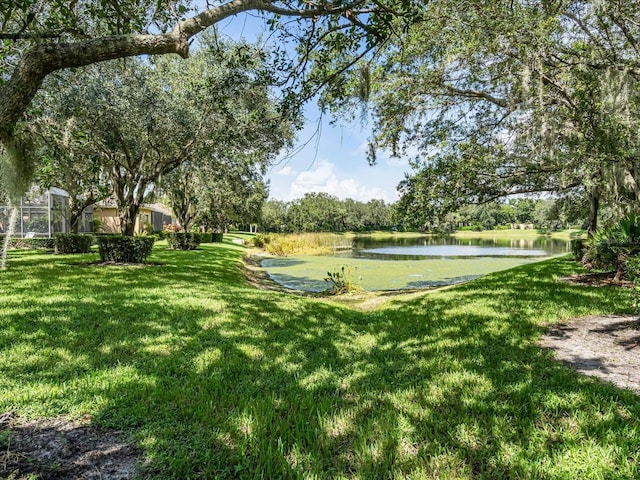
point(262, 239)
point(633, 275)
point(124, 249)
point(72, 243)
point(37, 242)
point(578, 248)
point(17, 167)
point(183, 240)
point(539, 116)
point(321, 212)
point(217, 237)
point(205, 237)
point(243, 128)
point(342, 281)
point(610, 247)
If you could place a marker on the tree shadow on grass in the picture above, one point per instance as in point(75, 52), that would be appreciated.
point(216, 379)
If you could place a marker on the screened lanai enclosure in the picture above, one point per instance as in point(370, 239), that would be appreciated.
point(40, 214)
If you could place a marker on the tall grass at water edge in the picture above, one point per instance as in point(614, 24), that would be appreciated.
point(303, 243)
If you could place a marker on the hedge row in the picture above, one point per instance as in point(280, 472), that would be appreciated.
point(183, 240)
point(42, 243)
point(205, 237)
point(72, 243)
point(123, 249)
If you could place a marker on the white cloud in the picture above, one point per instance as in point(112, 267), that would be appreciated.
point(324, 179)
point(286, 171)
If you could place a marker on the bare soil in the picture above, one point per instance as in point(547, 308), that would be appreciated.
point(59, 448)
point(606, 347)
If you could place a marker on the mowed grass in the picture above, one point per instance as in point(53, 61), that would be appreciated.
point(214, 379)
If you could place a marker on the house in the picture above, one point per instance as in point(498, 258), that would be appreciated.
point(43, 213)
point(151, 217)
point(40, 214)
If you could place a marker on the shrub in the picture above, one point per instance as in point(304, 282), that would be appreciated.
point(124, 249)
point(217, 237)
point(42, 243)
point(578, 247)
point(183, 240)
point(633, 274)
point(611, 247)
point(261, 240)
point(72, 243)
point(342, 281)
point(206, 237)
point(38, 242)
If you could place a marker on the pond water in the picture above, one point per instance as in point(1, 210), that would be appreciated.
point(448, 246)
point(399, 263)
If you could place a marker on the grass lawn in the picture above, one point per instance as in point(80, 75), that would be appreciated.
point(214, 379)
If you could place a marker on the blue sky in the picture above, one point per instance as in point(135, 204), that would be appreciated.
point(332, 159)
point(327, 158)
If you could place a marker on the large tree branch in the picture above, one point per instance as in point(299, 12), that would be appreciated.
point(477, 94)
point(43, 59)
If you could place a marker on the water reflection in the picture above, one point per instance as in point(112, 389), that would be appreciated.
point(446, 246)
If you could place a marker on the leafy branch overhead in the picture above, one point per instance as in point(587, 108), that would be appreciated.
point(43, 37)
point(500, 98)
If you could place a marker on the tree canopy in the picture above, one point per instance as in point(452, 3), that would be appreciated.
point(132, 124)
point(509, 97)
point(41, 37)
point(321, 212)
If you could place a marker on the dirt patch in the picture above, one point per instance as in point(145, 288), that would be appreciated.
point(117, 264)
point(605, 347)
point(58, 448)
point(596, 280)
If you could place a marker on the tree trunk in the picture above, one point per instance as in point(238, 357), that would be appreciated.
point(128, 217)
point(74, 221)
point(594, 207)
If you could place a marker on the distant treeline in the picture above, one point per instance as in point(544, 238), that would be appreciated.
point(321, 212)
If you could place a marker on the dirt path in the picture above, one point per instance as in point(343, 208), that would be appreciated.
point(59, 448)
point(605, 347)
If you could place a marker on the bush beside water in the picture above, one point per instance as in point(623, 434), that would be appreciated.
point(578, 247)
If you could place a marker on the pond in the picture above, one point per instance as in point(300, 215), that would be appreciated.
point(400, 263)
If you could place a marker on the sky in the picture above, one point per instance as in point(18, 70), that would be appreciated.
point(327, 158)
point(332, 159)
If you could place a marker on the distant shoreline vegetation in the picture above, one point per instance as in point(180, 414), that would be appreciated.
point(292, 244)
